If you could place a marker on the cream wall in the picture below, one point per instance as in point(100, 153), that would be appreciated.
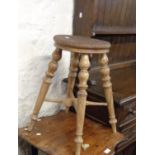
point(39, 21)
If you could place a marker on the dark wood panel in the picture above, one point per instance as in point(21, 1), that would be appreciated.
point(87, 9)
point(112, 20)
point(109, 30)
point(116, 12)
point(102, 14)
point(129, 150)
point(122, 79)
point(123, 48)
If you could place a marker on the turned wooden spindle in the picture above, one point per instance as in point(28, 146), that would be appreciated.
point(71, 80)
point(52, 67)
point(105, 71)
point(81, 101)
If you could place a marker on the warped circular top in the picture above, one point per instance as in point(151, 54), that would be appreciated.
point(80, 42)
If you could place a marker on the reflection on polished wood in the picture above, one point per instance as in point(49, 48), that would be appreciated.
point(58, 132)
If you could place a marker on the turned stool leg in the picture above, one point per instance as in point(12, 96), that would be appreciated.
point(105, 71)
point(71, 79)
point(52, 67)
point(81, 101)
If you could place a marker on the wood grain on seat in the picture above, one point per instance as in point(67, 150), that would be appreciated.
point(80, 42)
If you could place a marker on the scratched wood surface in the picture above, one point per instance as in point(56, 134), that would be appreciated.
point(58, 133)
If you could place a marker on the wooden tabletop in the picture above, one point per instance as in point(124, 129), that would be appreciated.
point(55, 135)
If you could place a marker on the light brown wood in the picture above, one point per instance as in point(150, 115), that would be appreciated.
point(52, 67)
point(54, 100)
point(71, 44)
point(82, 97)
point(91, 103)
point(105, 71)
point(71, 79)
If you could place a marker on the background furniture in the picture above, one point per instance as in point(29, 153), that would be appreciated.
point(114, 21)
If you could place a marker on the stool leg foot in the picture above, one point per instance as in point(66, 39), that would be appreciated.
point(78, 148)
point(71, 78)
point(52, 67)
point(81, 101)
point(105, 71)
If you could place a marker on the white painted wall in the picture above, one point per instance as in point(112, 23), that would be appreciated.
point(39, 21)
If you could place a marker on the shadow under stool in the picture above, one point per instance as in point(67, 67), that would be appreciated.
point(80, 48)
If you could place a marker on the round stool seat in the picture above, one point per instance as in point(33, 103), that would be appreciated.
point(80, 42)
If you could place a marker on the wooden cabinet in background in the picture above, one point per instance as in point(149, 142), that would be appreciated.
point(114, 21)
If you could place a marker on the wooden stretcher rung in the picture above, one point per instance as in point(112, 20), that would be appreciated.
point(88, 103)
point(91, 103)
point(54, 100)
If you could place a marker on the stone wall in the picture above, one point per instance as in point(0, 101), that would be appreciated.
point(39, 21)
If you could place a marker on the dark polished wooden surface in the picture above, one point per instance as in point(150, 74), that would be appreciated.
point(119, 16)
point(58, 132)
point(122, 80)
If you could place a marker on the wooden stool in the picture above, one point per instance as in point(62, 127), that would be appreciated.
point(80, 48)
